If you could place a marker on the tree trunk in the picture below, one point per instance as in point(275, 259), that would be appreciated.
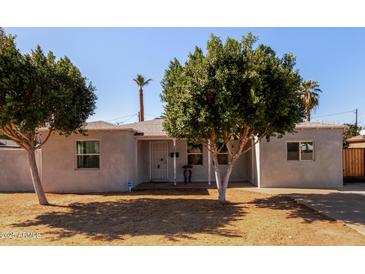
point(217, 173)
point(308, 116)
point(141, 107)
point(35, 177)
point(227, 175)
point(222, 185)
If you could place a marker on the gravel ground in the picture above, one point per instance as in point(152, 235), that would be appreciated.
point(167, 217)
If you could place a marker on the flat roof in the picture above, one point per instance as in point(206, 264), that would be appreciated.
point(319, 125)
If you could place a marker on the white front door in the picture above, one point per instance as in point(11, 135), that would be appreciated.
point(159, 161)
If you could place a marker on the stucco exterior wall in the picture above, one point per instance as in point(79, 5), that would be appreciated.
point(241, 171)
point(117, 163)
point(124, 158)
point(15, 173)
point(324, 172)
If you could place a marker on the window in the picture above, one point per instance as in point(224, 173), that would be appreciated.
point(223, 156)
point(306, 151)
point(292, 151)
point(195, 154)
point(88, 154)
point(300, 151)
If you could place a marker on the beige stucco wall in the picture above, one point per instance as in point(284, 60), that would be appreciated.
point(123, 158)
point(117, 163)
point(241, 171)
point(324, 172)
point(15, 172)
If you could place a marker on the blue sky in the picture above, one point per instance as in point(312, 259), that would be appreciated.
point(111, 57)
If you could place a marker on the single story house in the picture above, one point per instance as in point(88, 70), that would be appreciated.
point(110, 156)
point(356, 141)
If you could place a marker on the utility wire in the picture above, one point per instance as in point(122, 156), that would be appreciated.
point(126, 120)
point(121, 117)
point(152, 115)
point(333, 114)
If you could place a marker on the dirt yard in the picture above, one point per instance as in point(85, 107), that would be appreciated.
point(170, 217)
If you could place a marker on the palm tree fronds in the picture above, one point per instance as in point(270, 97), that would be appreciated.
point(310, 94)
point(141, 81)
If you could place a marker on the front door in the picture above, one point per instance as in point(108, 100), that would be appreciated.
point(159, 158)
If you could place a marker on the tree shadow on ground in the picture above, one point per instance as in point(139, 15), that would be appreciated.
point(347, 207)
point(295, 210)
point(110, 220)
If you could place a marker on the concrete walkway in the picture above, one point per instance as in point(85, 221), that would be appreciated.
point(181, 185)
point(346, 205)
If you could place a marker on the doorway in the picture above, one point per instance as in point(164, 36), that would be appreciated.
point(159, 161)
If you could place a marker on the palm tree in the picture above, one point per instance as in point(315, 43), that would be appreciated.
point(310, 94)
point(141, 82)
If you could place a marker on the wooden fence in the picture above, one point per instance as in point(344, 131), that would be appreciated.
point(353, 162)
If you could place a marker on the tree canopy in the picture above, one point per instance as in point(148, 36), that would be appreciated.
point(141, 81)
point(232, 92)
point(351, 130)
point(37, 90)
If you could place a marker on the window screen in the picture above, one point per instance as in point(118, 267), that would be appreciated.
point(302, 151)
point(88, 154)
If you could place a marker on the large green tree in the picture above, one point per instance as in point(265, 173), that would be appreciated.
point(235, 94)
point(39, 91)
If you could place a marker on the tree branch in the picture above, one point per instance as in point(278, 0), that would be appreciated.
point(19, 133)
point(45, 140)
point(14, 138)
point(258, 140)
point(16, 135)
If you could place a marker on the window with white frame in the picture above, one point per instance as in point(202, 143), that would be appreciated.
point(300, 151)
point(195, 154)
point(88, 154)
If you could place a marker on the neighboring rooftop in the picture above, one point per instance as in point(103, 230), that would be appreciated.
point(356, 139)
point(99, 125)
point(318, 125)
point(149, 128)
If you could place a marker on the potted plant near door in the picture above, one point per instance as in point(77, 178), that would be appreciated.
point(187, 173)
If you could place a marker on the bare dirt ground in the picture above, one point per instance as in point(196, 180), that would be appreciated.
point(167, 217)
